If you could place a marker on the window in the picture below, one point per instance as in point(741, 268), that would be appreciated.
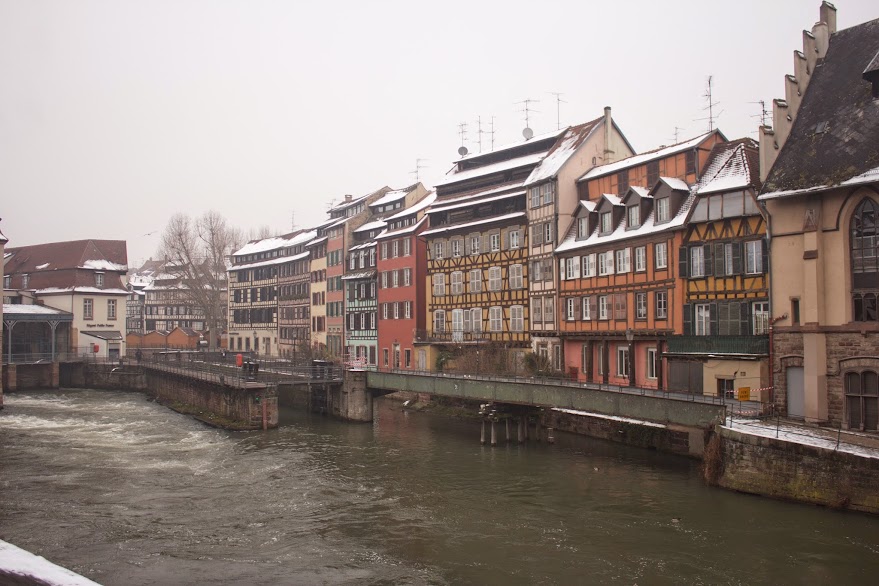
point(760, 321)
point(754, 257)
point(495, 319)
point(661, 298)
point(588, 263)
point(795, 311)
point(652, 356)
point(437, 250)
point(633, 216)
point(494, 279)
point(7, 281)
point(517, 318)
point(728, 258)
point(641, 259)
point(407, 353)
point(407, 277)
point(547, 233)
point(729, 319)
point(111, 309)
point(407, 247)
point(396, 307)
point(660, 255)
point(691, 162)
point(457, 247)
point(546, 190)
point(88, 309)
point(601, 359)
point(697, 262)
point(586, 312)
point(457, 283)
point(703, 319)
point(407, 309)
point(439, 321)
point(395, 278)
point(619, 306)
point(603, 312)
point(624, 260)
point(570, 308)
point(439, 285)
point(534, 192)
point(495, 241)
point(662, 210)
point(476, 319)
point(385, 356)
point(514, 239)
point(640, 305)
point(605, 263)
point(476, 281)
point(622, 361)
point(572, 267)
point(583, 227)
point(536, 310)
point(536, 273)
point(457, 325)
point(475, 244)
point(623, 182)
point(862, 400)
point(25, 280)
point(99, 279)
point(516, 280)
point(352, 262)
point(652, 174)
point(549, 310)
point(606, 222)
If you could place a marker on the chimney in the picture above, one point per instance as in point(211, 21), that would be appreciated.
point(608, 123)
point(827, 14)
point(348, 197)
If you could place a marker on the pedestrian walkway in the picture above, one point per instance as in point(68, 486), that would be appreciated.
point(841, 440)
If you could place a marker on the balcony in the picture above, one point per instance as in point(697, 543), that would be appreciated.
point(718, 345)
point(450, 337)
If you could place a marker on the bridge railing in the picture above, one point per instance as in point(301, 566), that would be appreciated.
point(268, 371)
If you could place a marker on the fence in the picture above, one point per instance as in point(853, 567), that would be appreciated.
point(833, 438)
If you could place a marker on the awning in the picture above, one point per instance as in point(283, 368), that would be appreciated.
point(104, 334)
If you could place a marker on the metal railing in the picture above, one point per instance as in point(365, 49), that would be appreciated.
point(224, 368)
point(773, 425)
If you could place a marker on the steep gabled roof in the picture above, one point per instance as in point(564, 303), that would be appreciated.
point(835, 136)
point(101, 255)
point(731, 165)
point(563, 149)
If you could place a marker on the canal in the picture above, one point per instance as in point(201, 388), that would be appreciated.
point(127, 492)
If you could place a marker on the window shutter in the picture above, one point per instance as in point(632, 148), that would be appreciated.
point(486, 242)
point(683, 260)
point(576, 267)
point(737, 266)
point(448, 247)
point(593, 307)
point(609, 256)
point(744, 316)
point(712, 319)
point(764, 250)
point(688, 319)
point(719, 260)
point(562, 275)
point(467, 245)
point(709, 265)
point(577, 303)
point(506, 240)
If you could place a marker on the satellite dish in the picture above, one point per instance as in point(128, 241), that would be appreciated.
point(462, 150)
point(527, 133)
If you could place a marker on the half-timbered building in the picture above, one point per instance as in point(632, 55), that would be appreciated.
point(551, 200)
point(294, 291)
point(725, 342)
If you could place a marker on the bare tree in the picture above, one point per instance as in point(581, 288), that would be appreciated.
point(196, 252)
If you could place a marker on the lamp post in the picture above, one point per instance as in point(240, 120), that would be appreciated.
point(630, 337)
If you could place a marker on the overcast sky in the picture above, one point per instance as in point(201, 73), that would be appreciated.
point(114, 115)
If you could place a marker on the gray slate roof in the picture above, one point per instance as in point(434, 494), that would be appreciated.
point(836, 133)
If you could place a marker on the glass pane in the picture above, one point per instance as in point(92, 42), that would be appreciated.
point(853, 383)
point(871, 383)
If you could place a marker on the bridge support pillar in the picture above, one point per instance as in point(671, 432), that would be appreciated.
point(507, 425)
point(521, 429)
point(493, 433)
point(355, 403)
point(482, 433)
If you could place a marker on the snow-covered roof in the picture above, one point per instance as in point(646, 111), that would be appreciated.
point(621, 233)
point(524, 161)
point(270, 262)
point(562, 151)
point(374, 225)
point(316, 241)
point(359, 275)
point(103, 265)
point(276, 242)
point(644, 157)
point(727, 170)
point(456, 227)
point(613, 199)
point(870, 176)
point(363, 246)
point(641, 191)
point(426, 201)
point(402, 231)
point(674, 183)
point(465, 204)
point(390, 197)
point(55, 290)
point(512, 145)
point(587, 205)
point(42, 266)
point(35, 310)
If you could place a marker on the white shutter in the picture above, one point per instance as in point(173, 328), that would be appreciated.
point(609, 256)
point(562, 275)
point(576, 267)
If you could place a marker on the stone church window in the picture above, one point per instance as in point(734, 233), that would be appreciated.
point(864, 261)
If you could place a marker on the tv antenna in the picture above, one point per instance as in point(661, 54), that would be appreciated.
point(491, 132)
point(764, 113)
point(710, 104)
point(558, 109)
point(479, 132)
point(462, 131)
point(418, 168)
point(528, 109)
point(677, 138)
point(292, 221)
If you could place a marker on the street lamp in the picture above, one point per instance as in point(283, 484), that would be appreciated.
point(630, 337)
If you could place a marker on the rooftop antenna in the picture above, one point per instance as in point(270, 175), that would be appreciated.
point(479, 132)
point(292, 221)
point(418, 168)
point(527, 132)
point(462, 130)
point(677, 134)
point(710, 104)
point(763, 112)
point(558, 109)
point(492, 133)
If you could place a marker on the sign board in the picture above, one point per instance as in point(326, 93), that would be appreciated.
point(744, 393)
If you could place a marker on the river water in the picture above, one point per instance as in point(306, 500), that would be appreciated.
point(127, 492)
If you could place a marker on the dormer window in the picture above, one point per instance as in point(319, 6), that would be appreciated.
point(606, 222)
point(633, 216)
point(7, 281)
point(583, 227)
point(99, 279)
point(25, 280)
point(662, 210)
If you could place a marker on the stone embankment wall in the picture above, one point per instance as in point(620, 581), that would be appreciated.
point(19, 377)
point(790, 471)
point(673, 439)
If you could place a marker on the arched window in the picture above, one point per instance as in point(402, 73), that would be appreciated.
point(862, 400)
point(865, 260)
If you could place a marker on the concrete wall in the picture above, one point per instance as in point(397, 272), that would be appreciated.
point(655, 409)
point(771, 467)
point(17, 377)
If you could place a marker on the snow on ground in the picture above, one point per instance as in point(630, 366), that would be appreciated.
point(611, 417)
point(16, 561)
point(817, 437)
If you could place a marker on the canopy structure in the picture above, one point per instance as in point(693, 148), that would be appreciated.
point(35, 333)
